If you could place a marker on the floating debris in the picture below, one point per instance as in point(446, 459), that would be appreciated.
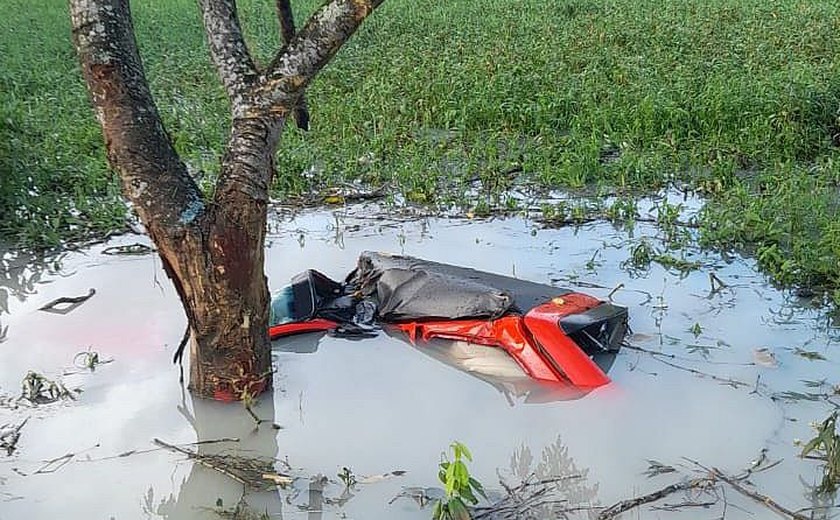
point(257, 474)
point(130, 249)
point(66, 304)
point(373, 479)
point(241, 511)
point(89, 359)
point(809, 354)
point(764, 357)
point(9, 436)
point(656, 468)
point(38, 389)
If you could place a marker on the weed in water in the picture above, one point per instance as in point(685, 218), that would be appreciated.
point(347, 477)
point(624, 210)
point(460, 487)
point(38, 389)
point(826, 447)
point(89, 359)
point(680, 264)
point(641, 255)
point(696, 329)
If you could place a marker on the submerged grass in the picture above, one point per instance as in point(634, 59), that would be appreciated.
point(738, 99)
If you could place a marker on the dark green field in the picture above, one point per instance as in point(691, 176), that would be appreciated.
point(739, 99)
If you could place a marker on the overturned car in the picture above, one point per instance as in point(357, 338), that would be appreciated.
point(551, 333)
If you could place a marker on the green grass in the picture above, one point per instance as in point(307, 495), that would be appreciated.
point(738, 98)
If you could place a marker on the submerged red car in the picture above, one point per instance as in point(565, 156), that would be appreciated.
point(551, 333)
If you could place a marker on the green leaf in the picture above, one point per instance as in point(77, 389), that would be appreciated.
point(461, 451)
point(461, 473)
point(467, 493)
point(450, 480)
point(476, 485)
point(458, 511)
point(437, 511)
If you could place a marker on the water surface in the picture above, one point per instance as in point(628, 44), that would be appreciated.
point(381, 404)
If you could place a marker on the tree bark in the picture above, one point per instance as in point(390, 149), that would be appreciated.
point(287, 32)
point(213, 252)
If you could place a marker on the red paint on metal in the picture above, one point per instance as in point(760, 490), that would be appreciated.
point(536, 341)
point(543, 324)
point(299, 327)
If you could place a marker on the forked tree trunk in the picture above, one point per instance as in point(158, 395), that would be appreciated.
point(212, 250)
point(222, 279)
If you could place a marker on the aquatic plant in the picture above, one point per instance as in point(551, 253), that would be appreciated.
point(461, 488)
point(825, 446)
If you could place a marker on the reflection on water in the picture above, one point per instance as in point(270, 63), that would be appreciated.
point(211, 421)
point(570, 488)
point(382, 405)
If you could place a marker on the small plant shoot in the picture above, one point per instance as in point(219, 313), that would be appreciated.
point(461, 488)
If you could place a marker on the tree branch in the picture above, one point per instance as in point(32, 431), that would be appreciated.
point(287, 20)
point(287, 31)
point(310, 50)
point(227, 47)
point(154, 178)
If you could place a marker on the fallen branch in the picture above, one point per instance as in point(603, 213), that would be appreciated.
point(682, 505)
point(531, 494)
point(253, 473)
point(626, 505)
point(755, 495)
point(201, 460)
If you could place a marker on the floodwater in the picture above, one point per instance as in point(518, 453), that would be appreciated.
point(381, 405)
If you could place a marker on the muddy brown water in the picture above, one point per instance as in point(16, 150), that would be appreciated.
point(380, 405)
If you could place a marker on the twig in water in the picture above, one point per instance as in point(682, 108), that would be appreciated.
point(250, 472)
point(129, 249)
point(196, 457)
point(736, 484)
point(716, 283)
point(734, 383)
point(758, 497)
point(682, 505)
point(53, 465)
point(656, 353)
point(133, 452)
point(528, 496)
point(71, 302)
point(9, 436)
point(179, 352)
point(626, 505)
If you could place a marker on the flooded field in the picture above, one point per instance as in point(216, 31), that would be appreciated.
point(727, 373)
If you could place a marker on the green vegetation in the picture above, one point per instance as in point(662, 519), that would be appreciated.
point(739, 100)
point(460, 487)
point(826, 447)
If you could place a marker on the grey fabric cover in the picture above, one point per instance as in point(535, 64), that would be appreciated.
point(408, 288)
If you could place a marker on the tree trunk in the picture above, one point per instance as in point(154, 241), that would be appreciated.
point(213, 252)
point(230, 353)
